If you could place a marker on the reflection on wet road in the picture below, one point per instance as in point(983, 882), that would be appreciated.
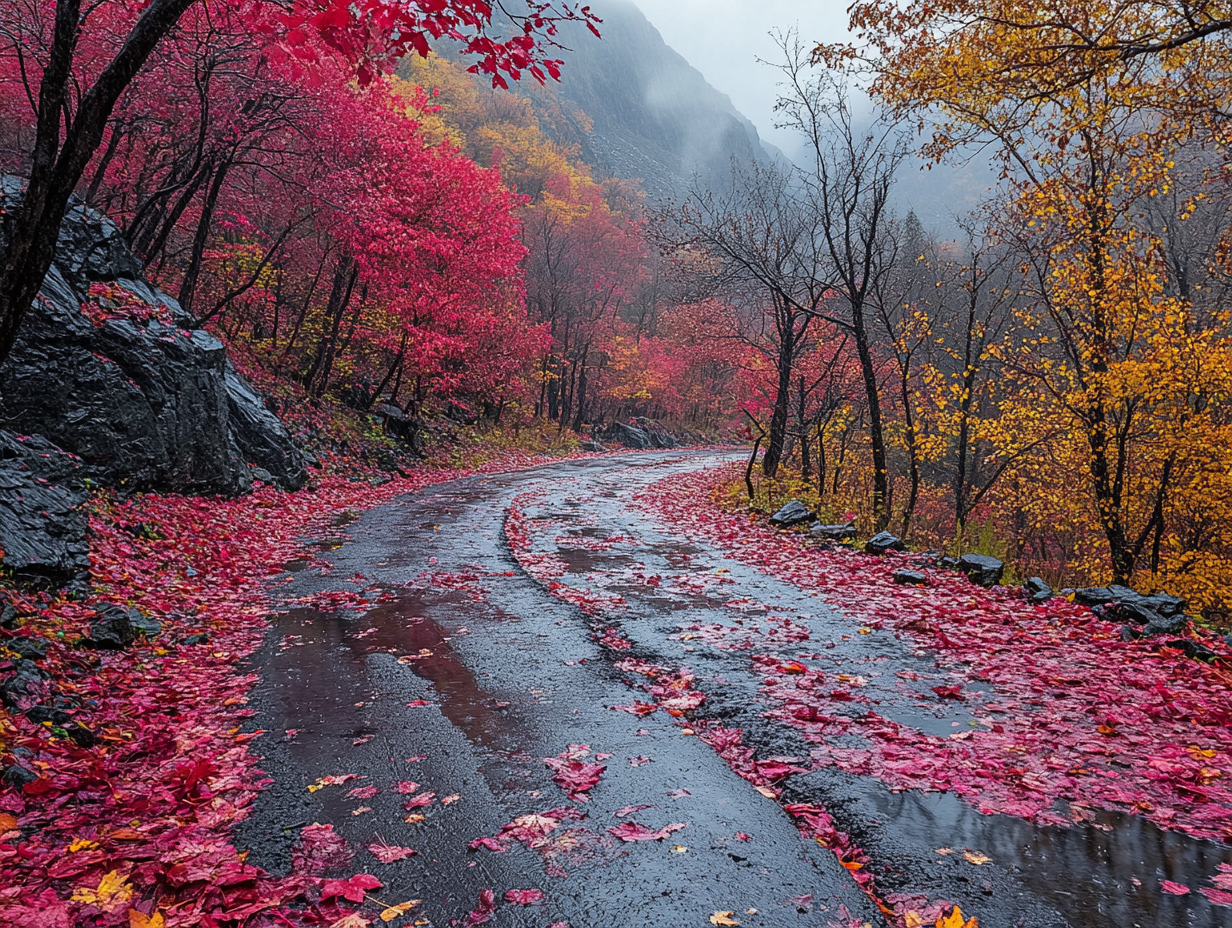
point(421, 652)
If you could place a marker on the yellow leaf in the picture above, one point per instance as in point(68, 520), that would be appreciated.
point(975, 857)
point(395, 911)
point(113, 891)
point(912, 919)
point(141, 920)
point(723, 918)
point(955, 920)
point(82, 844)
point(767, 792)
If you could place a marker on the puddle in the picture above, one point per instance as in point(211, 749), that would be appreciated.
point(403, 628)
point(1085, 872)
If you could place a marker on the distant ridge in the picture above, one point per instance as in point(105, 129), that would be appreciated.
point(654, 115)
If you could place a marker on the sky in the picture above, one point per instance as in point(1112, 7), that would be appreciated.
point(724, 38)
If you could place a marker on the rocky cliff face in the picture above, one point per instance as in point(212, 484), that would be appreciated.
point(655, 116)
point(110, 370)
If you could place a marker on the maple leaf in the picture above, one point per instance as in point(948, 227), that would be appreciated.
point(633, 831)
point(353, 889)
point(113, 891)
point(141, 920)
point(389, 853)
point(524, 896)
point(628, 810)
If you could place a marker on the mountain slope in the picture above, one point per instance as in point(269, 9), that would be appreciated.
point(654, 115)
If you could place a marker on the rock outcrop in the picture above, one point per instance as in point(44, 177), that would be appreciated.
point(42, 527)
point(110, 369)
point(794, 513)
point(982, 569)
point(109, 381)
point(641, 434)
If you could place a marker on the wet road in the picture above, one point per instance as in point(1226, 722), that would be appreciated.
point(462, 672)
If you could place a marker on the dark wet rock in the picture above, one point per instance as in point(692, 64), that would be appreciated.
point(1193, 649)
point(9, 616)
point(1093, 596)
point(31, 649)
point(628, 435)
point(146, 401)
point(833, 532)
point(794, 513)
point(26, 682)
point(1037, 590)
point(642, 434)
point(1129, 633)
point(38, 714)
point(263, 475)
point(982, 569)
point(882, 542)
point(17, 776)
point(42, 528)
point(1135, 612)
point(199, 638)
point(147, 626)
point(1169, 625)
point(1162, 603)
point(593, 446)
point(116, 628)
point(947, 563)
point(259, 435)
point(910, 577)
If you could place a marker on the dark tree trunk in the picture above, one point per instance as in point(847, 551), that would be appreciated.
point(56, 167)
point(189, 286)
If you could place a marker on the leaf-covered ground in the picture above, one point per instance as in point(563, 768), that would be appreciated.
point(1071, 718)
point(134, 829)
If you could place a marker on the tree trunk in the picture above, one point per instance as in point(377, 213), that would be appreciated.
point(881, 479)
point(189, 286)
point(55, 167)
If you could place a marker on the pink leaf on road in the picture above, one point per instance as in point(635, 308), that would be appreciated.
point(363, 792)
point(353, 889)
point(632, 831)
point(575, 777)
point(638, 708)
point(407, 786)
point(524, 896)
point(389, 853)
point(1174, 889)
point(421, 800)
point(484, 911)
point(629, 810)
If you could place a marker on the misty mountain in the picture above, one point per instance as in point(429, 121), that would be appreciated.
point(653, 115)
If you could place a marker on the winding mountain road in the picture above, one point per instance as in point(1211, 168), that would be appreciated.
point(417, 649)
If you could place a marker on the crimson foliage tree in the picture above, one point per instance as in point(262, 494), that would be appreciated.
point(73, 94)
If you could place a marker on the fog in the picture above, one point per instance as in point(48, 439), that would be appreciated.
point(727, 41)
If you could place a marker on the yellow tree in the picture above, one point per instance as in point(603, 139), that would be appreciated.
point(1087, 105)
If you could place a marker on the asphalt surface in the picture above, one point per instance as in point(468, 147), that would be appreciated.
point(512, 674)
